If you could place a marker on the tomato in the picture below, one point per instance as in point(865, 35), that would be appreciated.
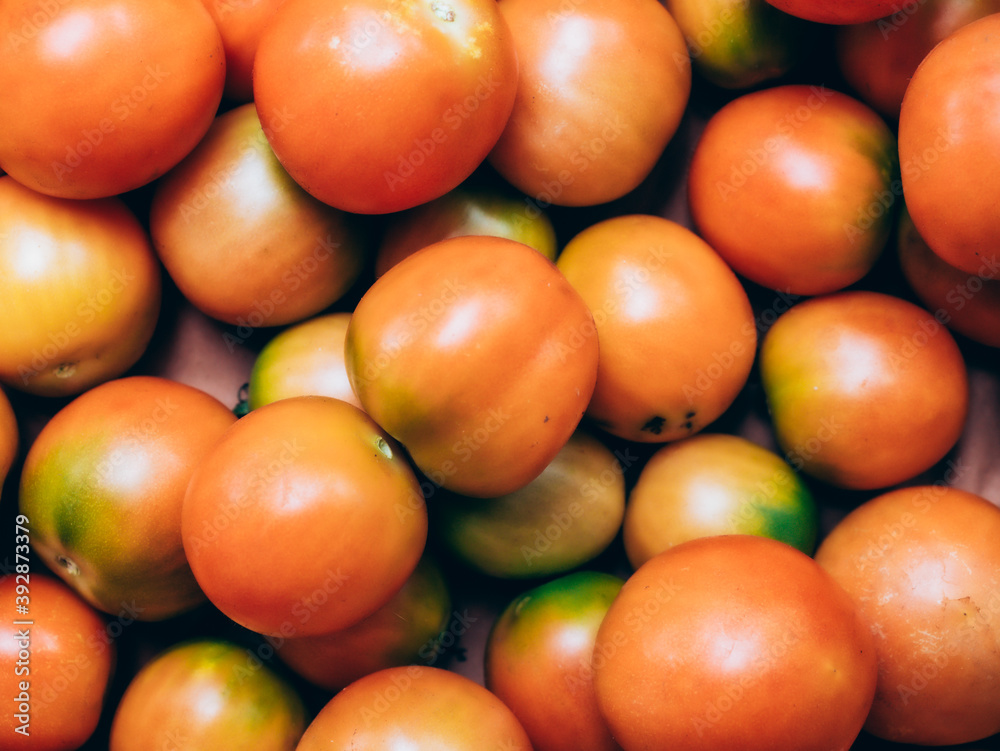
point(675, 327)
point(465, 211)
point(734, 641)
point(878, 58)
point(241, 24)
point(949, 137)
point(241, 240)
point(538, 661)
point(417, 708)
point(714, 484)
point(445, 73)
point(841, 12)
point(738, 43)
point(57, 662)
point(865, 390)
point(405, 630)
point(103, 484)
point(966, 303)
point(74, 124)
point(479, 357)
point(825, 166)
point(207, 693)
point(304, 360)
point(563, 518)
point(279, 517)
point(923, 567)
point(9, 436)
point(601, 92)
point(81, 291)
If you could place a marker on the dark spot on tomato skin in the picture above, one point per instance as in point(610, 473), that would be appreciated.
point(546, 418)
point(690, 415)
point(689, 425)
point(654, 425)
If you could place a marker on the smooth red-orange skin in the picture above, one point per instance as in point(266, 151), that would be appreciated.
point(81, 291)
point(865, 390)
point(241, 240)
point(103, 96)
point(603, 86)
point(949, 140)
point(241, 24)
point(103, 484)
point(538, 661)
point(280, 517)
point(734, 641)
point(923, 566)
point(417, 708)
point(823, 164)
point(9, 436)
point(405, 630)
point(70, 664)
point(445, 73)
point(967, 303)
point(675, 327)
point(839, 12)
point(479, 357)
point(878, 58)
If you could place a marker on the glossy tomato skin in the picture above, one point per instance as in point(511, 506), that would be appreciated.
point(949, 138)
point(63, 667)
point(966, 303)
point(303, 360)
point(705, 640)
point(479, 357)
point(241, 24)
point(9, 436)
point(465, 211)
point(418, 708)
point(878, 58)
point(81, 291)
point(406, 630)
point(208, 693)
point(603, 86)
point(865, 390)
point(103, 484)
point(841, 12)
point(75, 126)
point(922, 565)
point(538, 661)
point(242, 241)
point(825, 166)
point(446, 74)
point(307, 483)
point(674, 325)
point(716, 484)
point(562, 519)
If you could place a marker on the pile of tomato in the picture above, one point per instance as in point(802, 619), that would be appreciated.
point(582, 375)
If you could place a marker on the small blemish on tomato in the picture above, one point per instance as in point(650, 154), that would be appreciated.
point(654, 425)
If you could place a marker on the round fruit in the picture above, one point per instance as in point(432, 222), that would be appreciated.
point(479, 357)
point(9, 436)
point(865, 390)
point(923, 566)
point(81, 291)
point(675, 328)
point(825, 166)
point(103, 485)
point(103, 96)
point(538, 661)
point(280, 517)
point(417, 708)
point(949, 139)
point(56, 666)
point(841, 12)
point(208, 694)
point(241, 24)
point(713, 485)
point(241, 240)
point(706, 641)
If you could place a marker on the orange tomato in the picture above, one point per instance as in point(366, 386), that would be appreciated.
point(948, 142)
point(56, 667)
point(279, 518)
point(241, 24)
point(81, 291)
point(479, 357)
point(675, 328)
point(9, 437)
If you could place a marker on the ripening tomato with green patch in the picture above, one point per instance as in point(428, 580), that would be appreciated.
point(445, 74)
